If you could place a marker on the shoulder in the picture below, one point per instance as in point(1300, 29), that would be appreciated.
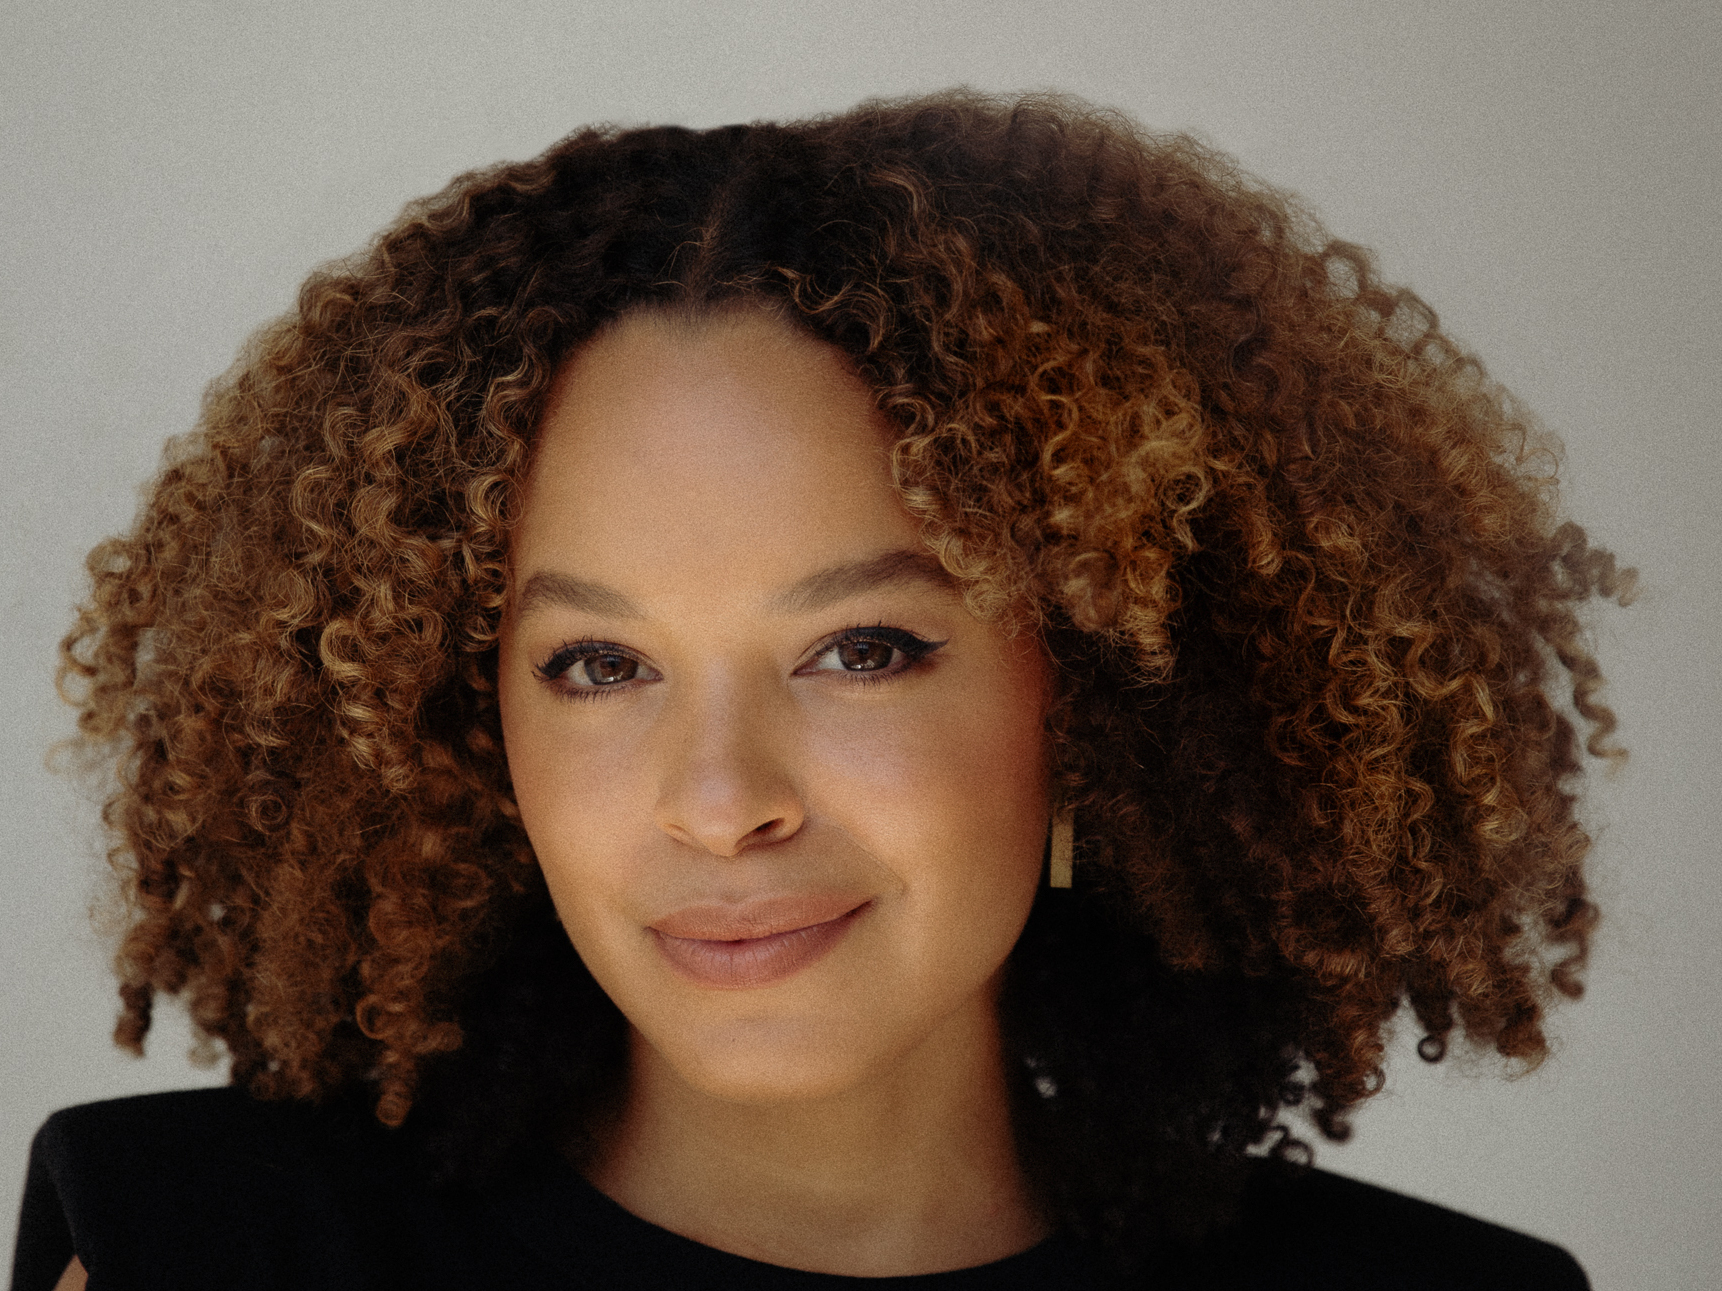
point(1316, 1229)
point(154, 1121)
point(164, 1149)
point(212, 1187)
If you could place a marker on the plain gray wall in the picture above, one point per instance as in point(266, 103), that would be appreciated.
point(1546, 174)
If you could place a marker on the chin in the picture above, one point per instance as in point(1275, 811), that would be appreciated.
point(770, 1061)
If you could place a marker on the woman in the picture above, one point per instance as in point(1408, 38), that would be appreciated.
point(878, 697)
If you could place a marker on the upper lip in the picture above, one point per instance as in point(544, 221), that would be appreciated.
point(763, 917)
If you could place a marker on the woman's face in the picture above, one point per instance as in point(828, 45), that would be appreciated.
point(788, 794)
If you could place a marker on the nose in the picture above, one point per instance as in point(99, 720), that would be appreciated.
point(726, 783)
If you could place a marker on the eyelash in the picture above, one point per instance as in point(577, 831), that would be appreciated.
point(568, 656)
point(914, 649)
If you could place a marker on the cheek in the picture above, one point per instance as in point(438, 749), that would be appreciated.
point(952, 796)
point(955, 769)
point(571, 807)
point(561, 788)
point(532, 752)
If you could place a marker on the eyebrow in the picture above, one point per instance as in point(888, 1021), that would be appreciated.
point(840, 582)
point(815, 592)
point(546, 588)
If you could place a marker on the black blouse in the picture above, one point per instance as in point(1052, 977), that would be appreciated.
point(210, 1188)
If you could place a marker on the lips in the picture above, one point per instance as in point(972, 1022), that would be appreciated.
point(734, 947)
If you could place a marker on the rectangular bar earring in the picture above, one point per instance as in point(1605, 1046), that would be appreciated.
point(1061, 865)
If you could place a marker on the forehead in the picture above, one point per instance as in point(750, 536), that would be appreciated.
point(691, 443)
point(743, 377)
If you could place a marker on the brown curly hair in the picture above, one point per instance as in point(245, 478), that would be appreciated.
point(1296, 559)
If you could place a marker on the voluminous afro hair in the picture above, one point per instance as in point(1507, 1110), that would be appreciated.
point(1296, 559)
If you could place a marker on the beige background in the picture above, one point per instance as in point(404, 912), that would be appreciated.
point(1546, 174)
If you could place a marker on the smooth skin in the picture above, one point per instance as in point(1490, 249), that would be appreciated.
point(732, 675)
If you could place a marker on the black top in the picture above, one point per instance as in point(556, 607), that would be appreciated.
point(210, 1188)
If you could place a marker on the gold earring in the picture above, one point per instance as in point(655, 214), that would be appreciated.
point(1061, 859)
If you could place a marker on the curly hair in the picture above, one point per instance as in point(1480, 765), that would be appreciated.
point(1297, 562)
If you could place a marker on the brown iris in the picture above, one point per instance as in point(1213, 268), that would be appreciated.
point(863, 655)
point(608, 669)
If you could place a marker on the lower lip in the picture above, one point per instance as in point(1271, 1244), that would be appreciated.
point(756, 961)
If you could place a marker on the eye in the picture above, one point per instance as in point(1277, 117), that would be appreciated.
point(591, 666)
point(876, 652)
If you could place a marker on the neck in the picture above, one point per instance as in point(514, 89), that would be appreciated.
point(912, 1171)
